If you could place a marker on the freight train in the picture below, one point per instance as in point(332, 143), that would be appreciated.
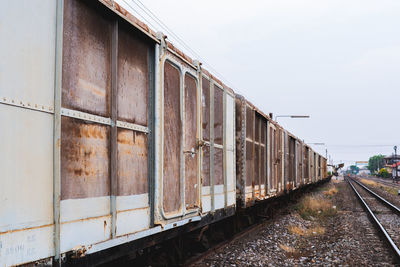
point(112, 136)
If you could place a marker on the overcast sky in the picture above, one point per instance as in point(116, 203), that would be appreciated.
point(337, 61)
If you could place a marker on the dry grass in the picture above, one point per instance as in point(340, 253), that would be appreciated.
point(331, 191)
point(317, 230)
point(369, 182)
point(287, 248)
point(290, 252)
point(388, 189)
point(315, 207)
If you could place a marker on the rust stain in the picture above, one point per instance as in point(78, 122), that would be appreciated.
point(218, 166)
point(26, 229)
point(84, 159)
point(87, 219)
point(206, 109)
point(206, 166)
point(172, 139)
point(218, 115)
point(133, 76)
point(86, 77)
point(132, 162)
point(122, 211)
point(190, 134)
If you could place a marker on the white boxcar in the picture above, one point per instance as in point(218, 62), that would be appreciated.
point(109, 133)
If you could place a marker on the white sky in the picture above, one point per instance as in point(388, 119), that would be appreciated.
point(337, 61)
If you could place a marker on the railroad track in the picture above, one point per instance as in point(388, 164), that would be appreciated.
point(199, 258)
point(385, 215)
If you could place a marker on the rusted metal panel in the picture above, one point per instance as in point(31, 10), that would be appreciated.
point(249, 163)
point(312, 167)
point(263, 180)
point(249, 123)
point(257, 164)
point(133, 76)
point(114, 130)
point(205, 169)
point(257, 133)
point(299, 163)
point(240, 122)
point(264, 146)
point(319, 167)
point(230, 171)
point(256, 141)
point(190, 148)
point(286, 160)
point(85, 157)
point(212, 150)
point(218, 115)
point(86, 77)
point(172, 139)
point(272, 159)
point(281, 158)
point(306, 164)
point(132, 163)
point(291, 161)
point(205, 117)
point(218, 166)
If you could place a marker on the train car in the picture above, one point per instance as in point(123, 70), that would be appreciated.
point(270, 160)
point(306, 164)
point(112, 136)
point(276, 170)
point(112, 133)
point(251, 153)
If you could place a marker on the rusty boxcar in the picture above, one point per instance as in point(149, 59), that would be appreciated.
point(112, 135)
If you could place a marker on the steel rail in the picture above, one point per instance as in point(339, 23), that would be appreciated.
point(384, 201)
point(396, 250)
point(199, 258)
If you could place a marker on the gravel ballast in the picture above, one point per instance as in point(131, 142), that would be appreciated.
point(345, 237)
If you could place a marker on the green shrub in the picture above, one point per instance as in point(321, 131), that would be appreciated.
point(383, 173)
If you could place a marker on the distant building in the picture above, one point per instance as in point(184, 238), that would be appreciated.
point(364, 172)
point(391, 163)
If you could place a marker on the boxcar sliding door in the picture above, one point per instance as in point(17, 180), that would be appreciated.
point(273, 152)
point(172, 141)
point(177, 182)
point(190, 148)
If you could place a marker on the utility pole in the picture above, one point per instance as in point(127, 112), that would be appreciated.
point(395, 161)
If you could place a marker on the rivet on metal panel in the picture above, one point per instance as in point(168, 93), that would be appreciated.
point(27, 105)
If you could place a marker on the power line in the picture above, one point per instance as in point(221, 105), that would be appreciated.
point(361, 145)
point(137, 13)
point(163, 26)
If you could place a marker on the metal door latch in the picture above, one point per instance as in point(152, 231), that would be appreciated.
point(192, 152)
point(201, 143)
